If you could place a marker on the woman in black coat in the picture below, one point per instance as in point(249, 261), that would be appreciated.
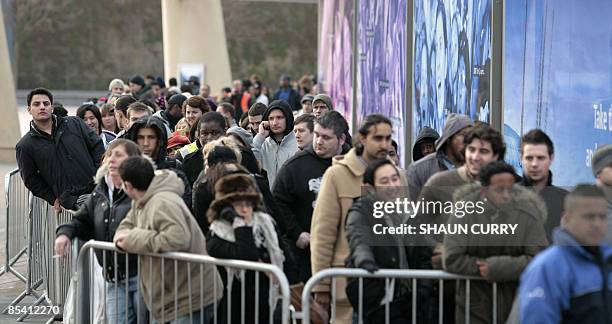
point(372, 252)
point(98, 219)
point(222, 160)
point(239, 230)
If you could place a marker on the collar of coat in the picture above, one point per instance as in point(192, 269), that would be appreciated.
point(352, 161)
point(523, 199)
point(561, 237)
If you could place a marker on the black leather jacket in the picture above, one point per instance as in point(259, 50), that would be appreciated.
point(98, 219)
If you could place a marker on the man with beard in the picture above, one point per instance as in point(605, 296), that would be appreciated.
point(340, 186)
point(299, 180)
point(448, 154)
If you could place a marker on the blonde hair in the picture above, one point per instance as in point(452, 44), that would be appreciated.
point(223, 141)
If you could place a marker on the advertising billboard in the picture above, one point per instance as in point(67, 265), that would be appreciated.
point(451, 61)
point(558, 77)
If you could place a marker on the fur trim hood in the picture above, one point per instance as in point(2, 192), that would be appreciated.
point(525, 199)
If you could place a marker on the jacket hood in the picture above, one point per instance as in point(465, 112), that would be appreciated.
point(160, 129)
point(244, 134)
point(325, 98)
point(164, 181)
point(426, 134)
point(352, 161)
point(286, 109)
point(525, 199)
point(454, 123)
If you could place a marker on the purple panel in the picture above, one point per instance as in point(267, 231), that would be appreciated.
point(335, 54)
point(382, 62)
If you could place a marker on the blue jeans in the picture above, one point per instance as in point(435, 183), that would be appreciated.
point(116, 307)
point(208, 312)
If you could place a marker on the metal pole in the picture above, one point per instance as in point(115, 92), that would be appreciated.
point(497, 67)
point(354, 64)
point(83, 289)
point(408, 110)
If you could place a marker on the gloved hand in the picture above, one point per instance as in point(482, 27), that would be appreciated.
point(228, 213)
point(369, 266)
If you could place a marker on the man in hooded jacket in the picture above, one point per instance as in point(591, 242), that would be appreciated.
point(275, 140)
point(425, 143)
point(154, 143)
point(494, 257)
point(448, 154)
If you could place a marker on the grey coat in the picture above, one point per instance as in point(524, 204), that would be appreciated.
point(420, 171)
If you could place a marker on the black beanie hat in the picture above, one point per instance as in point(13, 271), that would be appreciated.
point(220, 154)
point(138, 79)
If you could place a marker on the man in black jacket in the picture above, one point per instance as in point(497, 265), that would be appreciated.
point(298, 182)
point(59, 156)
point(150, 135)
point(537, 154)
point(211, 126)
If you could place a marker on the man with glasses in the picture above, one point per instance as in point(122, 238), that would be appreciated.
point(58, 157)
point(212, 126)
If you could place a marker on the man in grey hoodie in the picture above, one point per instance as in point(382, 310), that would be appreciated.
point(447, 157)
point(601, 164)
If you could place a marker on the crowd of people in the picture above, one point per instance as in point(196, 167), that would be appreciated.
point(279, 179)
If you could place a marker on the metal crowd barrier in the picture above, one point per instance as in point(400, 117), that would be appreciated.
point(236, 271)
point(388, 274)
point(17, 208)
point(31, 224)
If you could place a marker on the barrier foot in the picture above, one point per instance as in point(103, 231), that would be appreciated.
point(21, 296)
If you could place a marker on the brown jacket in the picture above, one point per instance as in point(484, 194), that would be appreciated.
point(340, 186)
point(161, 222)
point(506, 256)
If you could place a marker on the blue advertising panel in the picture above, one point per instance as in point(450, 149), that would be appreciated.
point(451, 61)
point(558, 77)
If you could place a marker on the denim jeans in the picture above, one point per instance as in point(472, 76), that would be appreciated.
point(116, 307)
point(196, 317)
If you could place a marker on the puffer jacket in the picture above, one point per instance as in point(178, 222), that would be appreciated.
point(507, 256)
point(98, 219)
point(567, 284)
